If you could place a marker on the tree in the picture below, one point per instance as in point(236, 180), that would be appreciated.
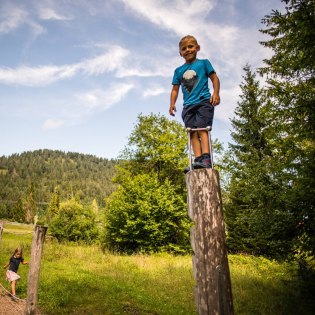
point(144, 215)
point(74, 223)
point(29, 204)
point(253, 203)
point(18, 211)
point(148, 211)
point(54, 205)
point(48, 169)
point(160, 145)
point(290, 75)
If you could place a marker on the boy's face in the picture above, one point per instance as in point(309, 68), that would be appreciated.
point(188, 50)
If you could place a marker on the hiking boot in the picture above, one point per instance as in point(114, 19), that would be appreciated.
point(196, 165)
point(206, 160)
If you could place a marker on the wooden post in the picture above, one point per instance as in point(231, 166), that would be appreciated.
point(33, 274)
point(213, 293)
point(1, 229)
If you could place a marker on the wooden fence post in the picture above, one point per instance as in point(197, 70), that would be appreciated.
point(1, 229)
point(213, 293)
point(33, 274)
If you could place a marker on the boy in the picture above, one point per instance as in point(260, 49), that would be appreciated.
point(199, 104)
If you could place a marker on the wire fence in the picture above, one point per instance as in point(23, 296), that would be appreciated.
point(17, 233)
point(9, 293)
point(17, 305)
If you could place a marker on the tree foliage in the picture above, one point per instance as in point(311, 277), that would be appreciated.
point(29, 204)
point(148, 211)
point(157, 145)
point(257, 220)
point(54, 206)
point(290, 75)
point(74, 222)
point(71, 174)
point(144, 215)
point(271, 193)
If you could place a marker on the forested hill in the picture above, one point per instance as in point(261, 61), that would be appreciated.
point(44, 171)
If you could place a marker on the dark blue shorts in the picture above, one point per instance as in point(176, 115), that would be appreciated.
point(198, 116)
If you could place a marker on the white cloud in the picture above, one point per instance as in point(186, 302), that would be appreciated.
point(52, 124)
point(184, 17)
point(173, 15)
point(44, 75)
point(107, 62)
point(36, 76)
point(80, 106)
point(11, 18)
point(104, 99)
point(51, 14)
point(154, 91)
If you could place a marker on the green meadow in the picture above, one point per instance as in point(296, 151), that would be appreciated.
point(77, 279)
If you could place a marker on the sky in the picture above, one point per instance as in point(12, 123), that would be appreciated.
point(75, 74)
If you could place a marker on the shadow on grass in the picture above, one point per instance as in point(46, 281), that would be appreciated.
point(270, 297)
point(100, 295)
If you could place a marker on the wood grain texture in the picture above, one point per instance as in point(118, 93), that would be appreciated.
point(33, 274)
point(213, 294)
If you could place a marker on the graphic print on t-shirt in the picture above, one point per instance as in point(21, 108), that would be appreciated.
point(190, 79)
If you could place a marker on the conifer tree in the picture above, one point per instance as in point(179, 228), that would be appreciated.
point(290, 75)
point(253, 210)
point(18, 211)
point(54, 205)
point(29, 204)
point(244, 157)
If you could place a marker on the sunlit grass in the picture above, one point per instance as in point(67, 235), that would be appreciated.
point(79, 279)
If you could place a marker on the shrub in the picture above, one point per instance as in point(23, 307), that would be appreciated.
point(74, 223)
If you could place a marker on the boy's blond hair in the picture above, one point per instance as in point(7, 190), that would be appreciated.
point(186, 38)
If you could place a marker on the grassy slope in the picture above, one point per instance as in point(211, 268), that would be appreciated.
point(82, 280)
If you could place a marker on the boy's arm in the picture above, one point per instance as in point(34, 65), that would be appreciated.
point(174, 95)
point(215, 97)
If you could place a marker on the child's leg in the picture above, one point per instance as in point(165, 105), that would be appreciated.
point(196, 144)
point(200, 142)
point(13, 287)
point(204, 141)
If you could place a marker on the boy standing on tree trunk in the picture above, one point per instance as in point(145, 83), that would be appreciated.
point(199, 104)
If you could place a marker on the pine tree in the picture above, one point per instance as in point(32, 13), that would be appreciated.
point(244, 156)
point(29, 204)
point(54, 205)
point(290, 75)
point(18, 211)
point(253, 210)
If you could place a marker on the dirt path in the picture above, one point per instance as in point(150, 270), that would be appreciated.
point(10, 306)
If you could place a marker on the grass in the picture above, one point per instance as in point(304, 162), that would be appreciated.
point(82, 280)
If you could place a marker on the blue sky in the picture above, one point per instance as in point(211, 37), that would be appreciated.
point(74, 75)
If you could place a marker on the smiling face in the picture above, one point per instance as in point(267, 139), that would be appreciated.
point(188, 49)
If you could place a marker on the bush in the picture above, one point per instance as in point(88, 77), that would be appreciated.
point(146, 216)
point(74, 223)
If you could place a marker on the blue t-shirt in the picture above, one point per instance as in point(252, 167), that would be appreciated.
point(193, 78)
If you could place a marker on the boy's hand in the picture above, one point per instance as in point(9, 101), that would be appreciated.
point(172, 110)
point(215, 99)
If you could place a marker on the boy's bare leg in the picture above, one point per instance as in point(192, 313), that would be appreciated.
point(195, 143)
point(204, 141)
